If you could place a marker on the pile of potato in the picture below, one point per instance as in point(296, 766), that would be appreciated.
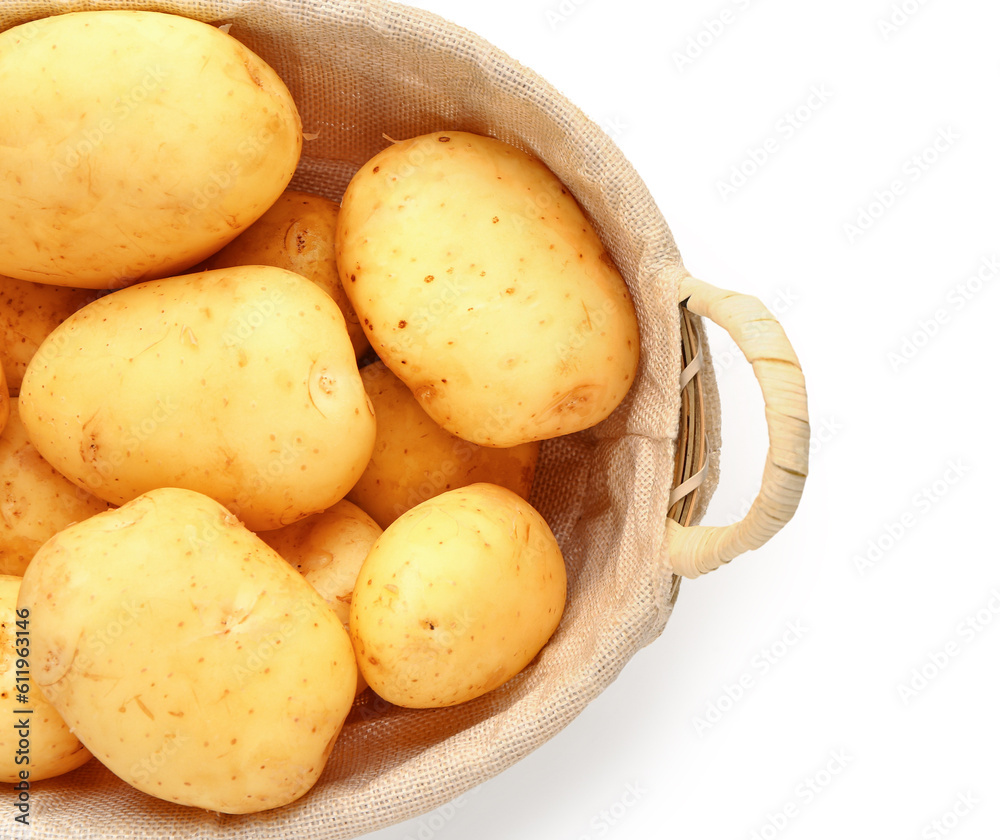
point(263, 451)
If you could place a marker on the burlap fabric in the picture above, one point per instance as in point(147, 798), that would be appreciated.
point(358, 71)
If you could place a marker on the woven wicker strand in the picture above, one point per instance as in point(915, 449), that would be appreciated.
point(695, 550)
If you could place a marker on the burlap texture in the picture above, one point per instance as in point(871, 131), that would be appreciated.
point(358, 71)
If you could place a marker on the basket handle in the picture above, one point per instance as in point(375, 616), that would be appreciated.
point(697, 549)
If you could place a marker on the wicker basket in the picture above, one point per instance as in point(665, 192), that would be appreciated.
point(623, 498)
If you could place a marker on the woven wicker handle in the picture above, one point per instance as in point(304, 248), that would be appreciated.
point(694, 550)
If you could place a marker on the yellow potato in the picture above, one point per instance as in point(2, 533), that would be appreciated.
point(456, 597)
point(239, 383)
point(35, 742)
point(187, 656)
point(35, 499)
point(327, 549)
point(297, 233)
point(4, 399)
point(485, 289)
point(415, 459)
point(134, 144)
point(28, 313)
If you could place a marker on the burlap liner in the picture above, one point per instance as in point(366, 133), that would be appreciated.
point(359, 71)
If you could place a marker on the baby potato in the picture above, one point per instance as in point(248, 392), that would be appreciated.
point(134, 144)
point(34, 740)
point(485, 289)
point(4, 399)
point(186, 655)
point(457, 596)
point(297, 233)
point(28, 313)
point(240, 383)
point(37, 500)
point(415, 459)
point(327, 549)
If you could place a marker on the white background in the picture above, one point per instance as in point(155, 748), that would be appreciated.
point(840, 681)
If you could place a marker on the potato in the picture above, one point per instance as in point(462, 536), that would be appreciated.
point(187, 656)
point(415, 459)
point(4, 399)
point(297, 233)
point(456, 597)
point(327, 549)
point(28, 313)
point(485, 289)
point(134, 144)
point(35, 742)
point(35, 499)
point(239, 383)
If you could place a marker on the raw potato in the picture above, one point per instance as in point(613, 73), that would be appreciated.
point(4, 400)
point(187, 655)
point(134, 144)
point(415, 459)
point(240, 383)
point(297, 233)
point(456, 597)
point(28, 313)
point(327, 549)
point(485, 289)
point(50, 748)
point(36, 501)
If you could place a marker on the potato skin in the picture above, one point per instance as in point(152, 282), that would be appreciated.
point(52, 749)
point(28, 313)
point(415, 459)
point(296, 233)
point(485, 289)
point(239, 383)
point(187, 655)
point(134, 145)
point(328, 549)
point(4, 400)
point(36, 499)
point(457, 596)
